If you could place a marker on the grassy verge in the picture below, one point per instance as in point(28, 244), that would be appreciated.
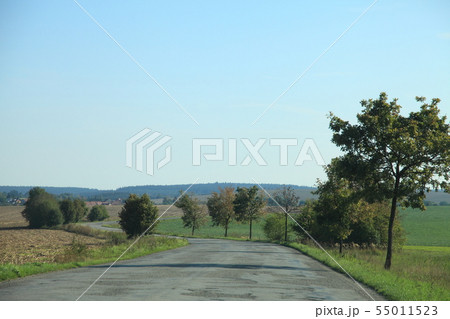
point(416, 274)
point(78, 255)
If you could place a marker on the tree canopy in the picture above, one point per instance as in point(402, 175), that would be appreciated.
point(138, 215)
point(287, 199)
point(98, 212)
point(248, 205)
point(221, 208)
point(42, 209)
point(194, 215)
point(394, 157)
point(73, 210)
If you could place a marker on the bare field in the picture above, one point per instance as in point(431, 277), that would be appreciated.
point(19, 245)
point(10, 217)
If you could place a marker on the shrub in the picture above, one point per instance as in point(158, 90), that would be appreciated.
point(115, 238)
point(274, 227)
point(42, 209)
point(76, 251)
point(370, 228)
point(98, 212)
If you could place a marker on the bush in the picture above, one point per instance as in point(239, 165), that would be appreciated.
point(77, 251)
point(274, 227)
point(138, 215)
point(98, 212)
point(42, 209)
point(369, 229)
point(72, 210)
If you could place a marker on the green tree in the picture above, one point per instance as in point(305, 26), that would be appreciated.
point(248, 205)
point(287, 199)
point(42, 209)
point(337, 207)
point(98, 212)
point(138, 215)
point(73, 210)
point(306, 220)
point(221, 208)
point(194, 215)
point(394, 157)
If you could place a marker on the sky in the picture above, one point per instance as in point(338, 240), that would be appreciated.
point(73, 91)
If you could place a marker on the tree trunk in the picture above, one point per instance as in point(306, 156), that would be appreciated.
point(226, 229)
point(387, 263)
point(193, 228)
point(340, 246)
point(285, 226)
point(250, 229)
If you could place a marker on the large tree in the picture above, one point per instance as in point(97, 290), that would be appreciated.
point(221, 208)
point(42, 209)
point(194, 215)
point(138, 215)
point(287, 199)
point(395, 157)
point(248, 205)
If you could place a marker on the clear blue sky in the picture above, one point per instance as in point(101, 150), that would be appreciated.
point(70, 97)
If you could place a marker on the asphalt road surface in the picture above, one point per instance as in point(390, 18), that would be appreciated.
point(207, 269)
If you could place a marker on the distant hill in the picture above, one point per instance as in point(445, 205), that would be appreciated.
point(154, 191)
point(170, 191)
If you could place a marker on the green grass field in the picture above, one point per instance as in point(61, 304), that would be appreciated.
point(427, 228)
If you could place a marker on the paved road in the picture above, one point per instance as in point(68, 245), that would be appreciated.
point(208, 269)
point(99, 225)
